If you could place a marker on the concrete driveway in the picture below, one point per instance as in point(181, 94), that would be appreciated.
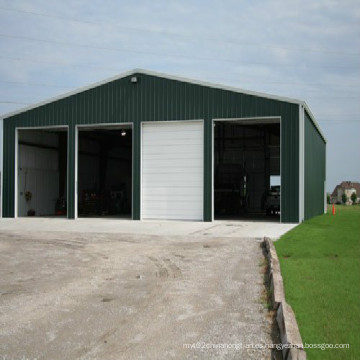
point(76, 295)
point(257, 229)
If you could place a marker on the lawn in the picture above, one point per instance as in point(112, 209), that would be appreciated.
point(320, 264)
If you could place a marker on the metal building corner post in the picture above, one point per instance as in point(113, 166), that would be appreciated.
point(208, 172)
point(301, 163)
point(136, 186)
point(71, 188)
point(1, 164)
point(16, 172)
point(325, 194)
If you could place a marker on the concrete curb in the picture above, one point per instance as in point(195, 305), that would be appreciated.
point(285, 317)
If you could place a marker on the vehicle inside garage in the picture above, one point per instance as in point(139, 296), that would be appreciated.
point(42, 172)
point(247, 169)
point(105, 171)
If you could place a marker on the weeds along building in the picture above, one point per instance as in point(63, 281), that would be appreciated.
point(145, 145)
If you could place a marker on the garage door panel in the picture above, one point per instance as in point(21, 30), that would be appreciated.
point(173, 166)
point(172, 170)
point(173, 173)
point(169, 161)
point(172, 149)
point(164, 197)
point(168, 190)
point(165, 138)
point(191, 138)
point(174, 156)
point(181, 183)
point(158, 128)
point(173, 216)
point(181, 205)
point(169, 164)
point(166, 213)
point(175, 185)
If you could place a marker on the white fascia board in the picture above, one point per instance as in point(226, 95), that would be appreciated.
point(68, 94)
point(153, 73)
point(219, 86)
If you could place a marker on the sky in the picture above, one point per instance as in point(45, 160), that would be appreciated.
point(308, 50)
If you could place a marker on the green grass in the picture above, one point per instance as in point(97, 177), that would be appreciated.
point(320, 264)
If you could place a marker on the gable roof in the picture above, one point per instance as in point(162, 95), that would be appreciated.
point(176, 78)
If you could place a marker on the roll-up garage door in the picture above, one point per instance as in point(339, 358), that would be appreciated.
point(172, 170)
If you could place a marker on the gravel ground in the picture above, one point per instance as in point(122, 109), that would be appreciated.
point(109, 296)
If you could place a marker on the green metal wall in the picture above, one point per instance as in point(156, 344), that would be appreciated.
point(159, 99)
point(315, 170)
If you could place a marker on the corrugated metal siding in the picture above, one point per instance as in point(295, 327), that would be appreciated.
point(315, 170)
point(158, 99)
point(290, 165)
point(8, 170)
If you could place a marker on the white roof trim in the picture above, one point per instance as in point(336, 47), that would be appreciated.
point(312, 118)
point(170, 77)
point(219, 86)
point(68, 94)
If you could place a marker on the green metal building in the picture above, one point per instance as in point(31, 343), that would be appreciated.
point(146, 145)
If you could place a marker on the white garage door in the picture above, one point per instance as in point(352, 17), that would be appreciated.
point(172, 170)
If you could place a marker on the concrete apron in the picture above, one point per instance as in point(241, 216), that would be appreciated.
point(242, 229)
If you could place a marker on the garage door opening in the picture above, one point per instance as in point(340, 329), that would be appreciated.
point(42, 172)
point(247, 169)
point(105, 171)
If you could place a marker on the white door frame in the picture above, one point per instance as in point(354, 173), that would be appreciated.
point(16, 180)
point(114, 126)
point(141, 152)
point(249, 119)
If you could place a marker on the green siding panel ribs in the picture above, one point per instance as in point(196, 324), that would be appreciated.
point(290, 165)
point(315, 170)
point(155, 98)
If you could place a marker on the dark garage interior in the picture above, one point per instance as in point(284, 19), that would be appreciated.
point(246, 168)
point(42, 172)
point(105, 172)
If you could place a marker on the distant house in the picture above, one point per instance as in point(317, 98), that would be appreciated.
point(347, 188)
